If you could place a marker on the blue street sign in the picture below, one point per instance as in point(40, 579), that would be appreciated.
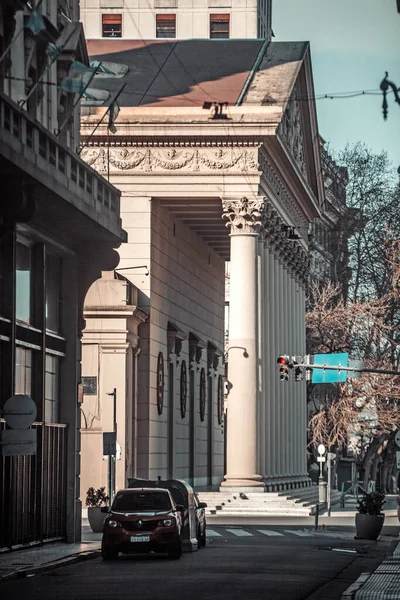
point(331, 360)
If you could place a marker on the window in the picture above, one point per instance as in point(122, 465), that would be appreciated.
point(53, 271)
point(23, 371)
point(23, 283)
point(112, 26)
point(166, 26)
point(219, 26)
point(51, 389)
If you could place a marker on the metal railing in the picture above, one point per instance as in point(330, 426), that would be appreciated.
point(33, 490)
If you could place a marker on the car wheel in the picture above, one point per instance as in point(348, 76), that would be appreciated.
point(175, 551)
point(202, 539)
point(107, 554)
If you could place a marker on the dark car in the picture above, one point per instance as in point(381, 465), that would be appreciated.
point(199, 509)
point(142, 520)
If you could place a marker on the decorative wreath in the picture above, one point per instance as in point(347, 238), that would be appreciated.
point(220, 400)
point(160, 383)
point(183, 389)
point(202, 394)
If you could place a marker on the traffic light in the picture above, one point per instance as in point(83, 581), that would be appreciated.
point(283, 362)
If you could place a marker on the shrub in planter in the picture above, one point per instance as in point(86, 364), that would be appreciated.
point(370, 518)
point(96, 500)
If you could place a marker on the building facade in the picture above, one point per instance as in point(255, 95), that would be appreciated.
point(180, 19)
point(59, 223)
point(216, 165)
point(330, 233)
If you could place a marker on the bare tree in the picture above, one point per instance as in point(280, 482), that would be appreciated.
point(362, 316)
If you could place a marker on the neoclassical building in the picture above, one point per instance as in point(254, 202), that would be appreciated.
point(216, 161)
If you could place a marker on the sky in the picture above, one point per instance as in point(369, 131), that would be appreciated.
point(353, 43)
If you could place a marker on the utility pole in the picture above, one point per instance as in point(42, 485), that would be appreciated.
point(330, 457)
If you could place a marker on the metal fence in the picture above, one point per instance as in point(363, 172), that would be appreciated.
point(33, 490)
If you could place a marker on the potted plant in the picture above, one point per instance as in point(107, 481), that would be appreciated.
point(96, 500)
point(370, 518)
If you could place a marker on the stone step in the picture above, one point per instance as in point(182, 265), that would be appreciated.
point(263, 513)
point(267, 501)
point(281, 511)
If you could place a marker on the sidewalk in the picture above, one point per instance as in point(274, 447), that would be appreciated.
point(28, 561)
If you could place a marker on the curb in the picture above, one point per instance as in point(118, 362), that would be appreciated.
point(62, 562)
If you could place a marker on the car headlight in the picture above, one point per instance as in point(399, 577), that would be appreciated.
point(112, 523)
point(167, 523)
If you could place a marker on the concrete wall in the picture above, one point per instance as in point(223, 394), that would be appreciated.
point(192, 16)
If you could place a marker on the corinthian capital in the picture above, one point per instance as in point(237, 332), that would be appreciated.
point(244, 215)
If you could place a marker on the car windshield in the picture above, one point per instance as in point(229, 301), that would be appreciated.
point(137, 501)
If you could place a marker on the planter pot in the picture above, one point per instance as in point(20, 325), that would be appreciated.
point(369, 527)
point(96, 518)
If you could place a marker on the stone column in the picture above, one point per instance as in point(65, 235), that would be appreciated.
point(268, 363)
point(278, 383)
point(245, 219)
point(261, 299)
point(304, 416)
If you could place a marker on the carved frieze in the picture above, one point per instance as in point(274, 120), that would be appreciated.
point(280, 191)
point(291, 132)
point(171, 159)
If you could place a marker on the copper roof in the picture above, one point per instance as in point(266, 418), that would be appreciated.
point(177, 73)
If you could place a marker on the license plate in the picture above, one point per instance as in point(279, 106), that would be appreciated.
point(140, 538)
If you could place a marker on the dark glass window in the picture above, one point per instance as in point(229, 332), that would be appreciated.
point(51, 389)
point(23, 283)
point(53, 270)
point(166, 26)
point(23, 371)
point(219, 26)
point(112, 26)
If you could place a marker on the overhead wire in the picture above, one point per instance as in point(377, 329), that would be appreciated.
point(330, 96)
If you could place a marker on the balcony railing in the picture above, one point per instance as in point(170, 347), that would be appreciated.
point(33, 142)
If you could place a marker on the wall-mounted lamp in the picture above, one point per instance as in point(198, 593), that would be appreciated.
point(147, 272)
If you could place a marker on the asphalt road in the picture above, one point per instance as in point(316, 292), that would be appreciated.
point(247, 562)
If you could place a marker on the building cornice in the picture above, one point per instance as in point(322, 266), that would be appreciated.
point(117, 310)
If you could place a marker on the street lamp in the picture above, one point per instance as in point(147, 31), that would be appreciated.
point(147, 272)
point(385, 85)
